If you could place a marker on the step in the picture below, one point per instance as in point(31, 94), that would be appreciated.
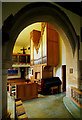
point(74, 110)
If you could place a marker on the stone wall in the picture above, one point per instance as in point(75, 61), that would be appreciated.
point(72, 70)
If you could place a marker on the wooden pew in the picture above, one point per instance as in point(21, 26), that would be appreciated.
point(14, 80)
point(19, 110)
point(11, 82)
point(27, 91)
point(11, 86)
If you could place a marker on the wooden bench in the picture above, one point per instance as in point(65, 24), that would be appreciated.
point(19, 110)
point(12, 87)
point(53, 88)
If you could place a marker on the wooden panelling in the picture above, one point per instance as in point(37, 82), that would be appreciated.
point(44, 72)
point(52, 35)
point(27, 91)
point(12, 74)
point(14, 80)
point(47, 71)
point(47, 74)
point(20, 91)
point(35, 36)
point(52, 46)
point(50, 27)
point(55, 54)
point(49, 53)
point(52, 54)
point(20, 58)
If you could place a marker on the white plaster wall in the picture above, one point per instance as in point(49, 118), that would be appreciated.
point(66, 56)
point(62, 57)
point(30, 72)
point(63, 53)
point(44, 38)
point(58, 69)
point(17, 49)
point(59, 72)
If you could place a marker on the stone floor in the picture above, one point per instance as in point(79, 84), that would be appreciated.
point(75, 111)
point(48, 106)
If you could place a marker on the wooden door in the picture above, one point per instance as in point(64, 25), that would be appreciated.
point(22, 70)
point(64, 78)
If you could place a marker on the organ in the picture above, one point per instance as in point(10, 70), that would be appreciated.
point(44, 52)
point(44, 46)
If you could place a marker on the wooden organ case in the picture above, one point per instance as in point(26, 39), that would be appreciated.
point(44, 52)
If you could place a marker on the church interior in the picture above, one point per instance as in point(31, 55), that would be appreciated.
point(43, 75)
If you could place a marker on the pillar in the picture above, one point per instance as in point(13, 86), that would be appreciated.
point(5, 66)
point(80, 75)
point(0, 90)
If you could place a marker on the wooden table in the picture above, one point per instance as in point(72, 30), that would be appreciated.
point(53, 88)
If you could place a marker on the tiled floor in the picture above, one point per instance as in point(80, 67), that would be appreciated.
point(49, 106)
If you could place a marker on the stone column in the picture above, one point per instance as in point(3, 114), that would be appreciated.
point(80, 79)
point(80, 74)
point(0, 77)
point(5, 66)
point(0, 90)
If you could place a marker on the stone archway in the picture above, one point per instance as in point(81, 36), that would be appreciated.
point(37, 12)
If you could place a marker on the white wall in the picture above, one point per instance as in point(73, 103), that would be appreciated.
point(63, 53)
point(57, 71)
point(59, 67)
point(17, 49)
point(30, 72)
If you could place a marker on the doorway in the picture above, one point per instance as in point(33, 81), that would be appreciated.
point(64, 78)
point(22, 70)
